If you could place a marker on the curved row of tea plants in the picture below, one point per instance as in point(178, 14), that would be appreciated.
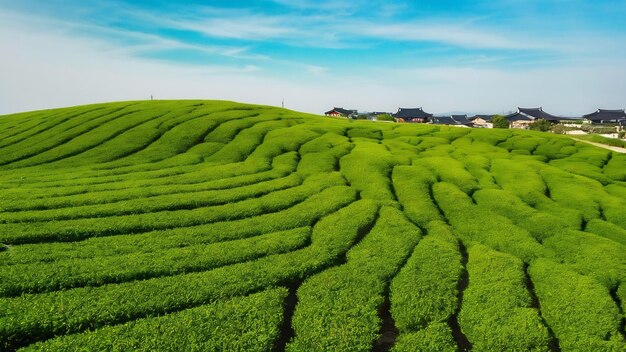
point(213, 225)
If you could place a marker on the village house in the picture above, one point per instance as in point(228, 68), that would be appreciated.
point(525, 116)
point(482, 121)
point(606, 116)
point(341, 112)
point(412, 115)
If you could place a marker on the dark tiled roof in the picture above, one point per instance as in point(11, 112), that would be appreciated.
point(531, 114)
point(443, 120)
point(456, 120)
point(484, 117)
point(606, 115)
point(412, 113)
point(461, 119)
point(538, 113)
point(516, 116)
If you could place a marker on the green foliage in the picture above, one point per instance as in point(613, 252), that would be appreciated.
point(540, 224)
point(603, 140)
point(608, 230)
point(452, 171)
point(588, 254)
point(239, 324)
point(496, 313)
point(369, 175)
point(302, 214)
point(561, 129)
point(578, 309)
point(412, 185)
point(385, 117)
point(436, 337)
point(65, 312)
point(62, 274)
point(77, 229)
point(424, 292)
point(599, 129)
point(472, 224)
point(540, 125)
point(345, 300)
point(213, 225)
point(616, 167)
point(500, 121)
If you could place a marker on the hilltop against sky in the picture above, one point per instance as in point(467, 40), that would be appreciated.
point(475, 56)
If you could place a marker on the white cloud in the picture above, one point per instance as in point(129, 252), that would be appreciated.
point(49, 68)
point(445, 33)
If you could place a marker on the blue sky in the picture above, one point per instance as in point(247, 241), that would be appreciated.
point(568, 56)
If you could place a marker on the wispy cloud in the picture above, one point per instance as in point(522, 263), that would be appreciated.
point(376, 54)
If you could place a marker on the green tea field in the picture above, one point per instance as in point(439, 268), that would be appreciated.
point(219, 226)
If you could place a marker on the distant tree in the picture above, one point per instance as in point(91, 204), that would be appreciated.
point(361, 117)
point(560, 129)
point(540, 125)
point(500, 121)
point(385, 117)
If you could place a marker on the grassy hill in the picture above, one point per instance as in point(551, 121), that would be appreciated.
point(211, 225)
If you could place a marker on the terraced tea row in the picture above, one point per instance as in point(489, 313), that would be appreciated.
point(210, 225)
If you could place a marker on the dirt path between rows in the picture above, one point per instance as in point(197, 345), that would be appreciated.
point(609, 147)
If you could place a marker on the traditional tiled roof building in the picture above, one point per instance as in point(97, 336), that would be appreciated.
point(412, 115)
point(482, 121)
point(525, 116)
point(453, 120)
point(606, 116)
point(337, 112)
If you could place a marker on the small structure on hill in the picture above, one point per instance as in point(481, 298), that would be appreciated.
point(606, 116)
point(416, 115)
point(525, 116)
point(452, 120)
point(341, 112)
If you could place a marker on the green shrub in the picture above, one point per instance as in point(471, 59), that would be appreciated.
point(78, 229)
point(500, 121)
point(63, 274)
point(385, 117)
point(155, 203)
point(473, 224)
point(452, 171)
point(65, 312)
point(591, 255)
point(344, 300)
point(540, 125)
point(121, 223)
point(302, 214)
point(249, 323)
point(368, 174)
point(496, 314)
point(616, 167)
point(607, 230)
point(436, 337)
point(412, 185)
point(540, 224)
point(588, 321)
point(425, 291)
